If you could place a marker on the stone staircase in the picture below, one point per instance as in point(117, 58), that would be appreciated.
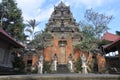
point(62, 68)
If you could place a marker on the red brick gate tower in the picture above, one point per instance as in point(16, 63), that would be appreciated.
point(65, 32)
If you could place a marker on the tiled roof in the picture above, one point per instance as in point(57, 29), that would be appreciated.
point(114, 46)
point(10, 39)
point(110, 37)
point(113, 43)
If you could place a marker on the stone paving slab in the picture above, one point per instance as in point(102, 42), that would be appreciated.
point(62, 77)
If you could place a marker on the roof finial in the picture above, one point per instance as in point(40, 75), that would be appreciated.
point(61, 4)
point(62, 0)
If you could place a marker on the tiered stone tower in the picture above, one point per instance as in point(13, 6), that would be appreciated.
point(65, 32)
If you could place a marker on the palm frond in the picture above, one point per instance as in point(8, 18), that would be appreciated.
point(29, 30)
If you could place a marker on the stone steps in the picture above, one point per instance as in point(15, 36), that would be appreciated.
point(62, 68)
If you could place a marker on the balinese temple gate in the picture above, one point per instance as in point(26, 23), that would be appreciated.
point(65, 35)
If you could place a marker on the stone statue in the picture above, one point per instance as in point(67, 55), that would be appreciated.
point(55, 62)
point(40, 65)
point(70, 62)
point(41, 58)
point(84, 64)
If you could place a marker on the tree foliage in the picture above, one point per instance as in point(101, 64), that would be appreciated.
point(103, 42)
point(18, 64)
point(92, 28)
point(78, 65)
point(89, 40)
point(99, 21)
point(40, 40)
point(47, 67)
point(118, 33)
point(11, 19)
point(31, 26)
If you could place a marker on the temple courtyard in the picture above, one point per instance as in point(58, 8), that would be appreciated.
point(62, 51)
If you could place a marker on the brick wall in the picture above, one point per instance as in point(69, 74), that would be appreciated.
point(47, 53)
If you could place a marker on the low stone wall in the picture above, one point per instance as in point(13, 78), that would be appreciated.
point(62, 77)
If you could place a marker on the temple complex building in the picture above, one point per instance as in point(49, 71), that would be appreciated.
point(112, 52)
point(7, 52)
point(65, 34)
point(60, 37)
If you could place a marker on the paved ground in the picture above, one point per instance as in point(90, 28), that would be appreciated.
point(62, 75)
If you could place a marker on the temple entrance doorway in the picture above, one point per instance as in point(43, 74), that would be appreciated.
point(62, 52)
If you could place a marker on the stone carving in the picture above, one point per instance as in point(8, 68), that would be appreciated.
point(84, 64)
point(70, 63)
point(55, 60)
point(40, 65)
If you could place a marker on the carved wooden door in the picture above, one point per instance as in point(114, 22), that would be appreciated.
point(62, 53)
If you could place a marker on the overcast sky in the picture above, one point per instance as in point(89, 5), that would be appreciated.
point(42, 9)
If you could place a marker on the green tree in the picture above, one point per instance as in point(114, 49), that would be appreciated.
point(47, 66)
point(41, 38)
point(118, 33)
point(1, 14)
point(103, 42)
point(89, 40)
point(11, 19)
point(37, 42)
point(78, 65)
point(18, 64)
point(94, 25)
point(99, 21)
point(31, 26)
